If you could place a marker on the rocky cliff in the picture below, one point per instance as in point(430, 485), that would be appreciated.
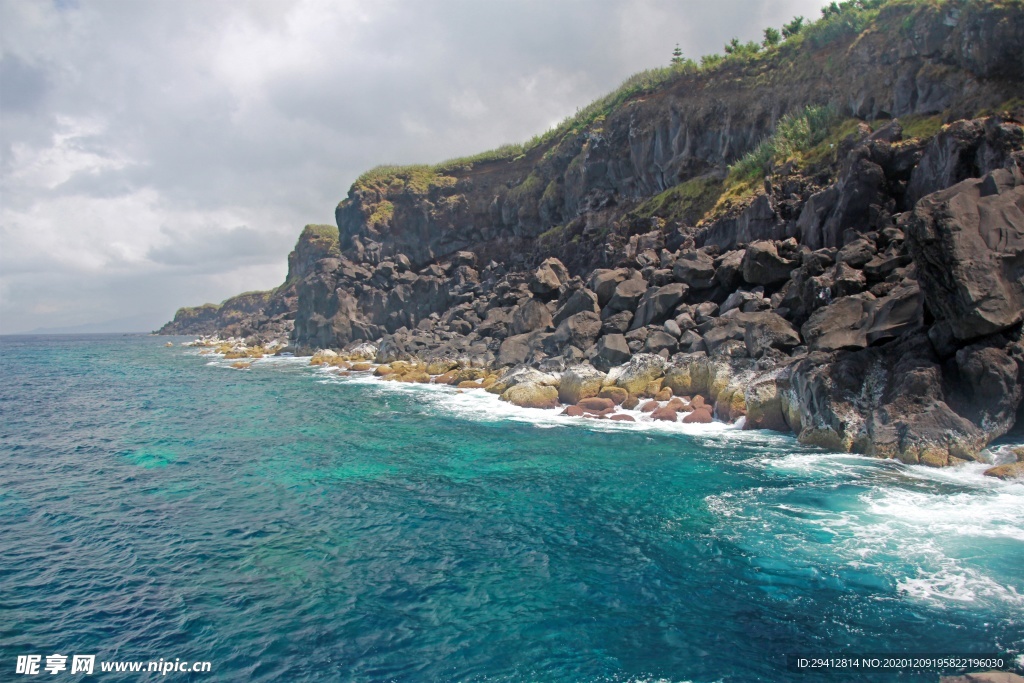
point(261, 316)
point(825, 237)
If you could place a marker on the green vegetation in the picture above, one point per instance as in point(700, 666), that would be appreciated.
point(793, 28)
point(323, 238)
point(921, 126)
point(685, 203)
point(531, 187)
point(795, 133)
point(839, 20)
point(382, 213)
point(418, 178)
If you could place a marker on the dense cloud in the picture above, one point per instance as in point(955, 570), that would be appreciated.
point(158, 154)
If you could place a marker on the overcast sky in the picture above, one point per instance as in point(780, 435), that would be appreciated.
point(164, 153)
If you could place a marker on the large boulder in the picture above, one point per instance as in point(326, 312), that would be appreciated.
point(516, 350)
point(582, 300)
point(627, 295)
point(854, 322)
point(696, 269)
point(579, 382)
point(765, 330)
point(530, 395)
point(611, 350)
point(990, 386)
point(580, 330)
point(638, 373)
point(520, 375)
point(657, 303)
point(960, 151)
point(531, 315)
point(604, 281)
point(762, 264)
point(886, 401)
point(548, 277)
point(968, 244)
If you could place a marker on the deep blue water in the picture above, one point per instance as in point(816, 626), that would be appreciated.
point(290, 526)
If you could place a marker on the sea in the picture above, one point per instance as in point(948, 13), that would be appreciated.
point(283, 523)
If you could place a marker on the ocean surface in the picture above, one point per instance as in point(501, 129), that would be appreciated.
point(289, 525)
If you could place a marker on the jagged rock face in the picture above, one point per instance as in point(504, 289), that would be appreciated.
point(968, 242)
point(943, 59)
point(869, 302)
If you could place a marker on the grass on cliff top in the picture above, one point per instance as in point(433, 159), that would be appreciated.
point(838, 21)
point(326, 237)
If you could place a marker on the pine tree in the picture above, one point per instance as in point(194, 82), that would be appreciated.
point(677, 55)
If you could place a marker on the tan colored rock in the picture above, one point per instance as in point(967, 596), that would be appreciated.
point(653, 388)
point(573, 411)
point(636, 375)
point(440, 367)
point(361, 367)
point(449, 377)
point(622, 418)
point(664, 395)
point(617, 395)
point(700, 415)
point(579, 382)
point(470, 384)
point(1013, 470)
point(765, 408)
point(530, 395)
point(678, 404)
point(382, 370)
point(241, 365)
point(630, 402)
point(649, 407)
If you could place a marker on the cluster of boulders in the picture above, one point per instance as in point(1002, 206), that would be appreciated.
point(877, 310)
point(640, 386)
point(902, 339)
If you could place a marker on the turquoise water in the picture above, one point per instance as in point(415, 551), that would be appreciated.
point(287, 525)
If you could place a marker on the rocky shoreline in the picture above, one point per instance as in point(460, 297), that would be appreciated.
point(866, 295)
point(646, 388)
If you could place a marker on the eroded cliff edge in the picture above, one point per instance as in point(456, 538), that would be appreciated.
point(863, 287)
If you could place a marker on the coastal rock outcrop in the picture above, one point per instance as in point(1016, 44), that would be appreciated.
point(861, 287)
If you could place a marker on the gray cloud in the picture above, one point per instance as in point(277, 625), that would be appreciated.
point(138, 137)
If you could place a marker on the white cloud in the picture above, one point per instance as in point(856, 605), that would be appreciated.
point(158, 154)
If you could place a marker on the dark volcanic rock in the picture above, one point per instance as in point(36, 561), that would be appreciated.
point(548, 277)
point(657, 303)
point(582, 300)
point(887, 401)
point(627, 295)
point(764, 331)
point(696, 269)
point(532, 315)
point(762, 264)
point(580, 330)
point(854, 322)
point(968, 244)
point(611, 350)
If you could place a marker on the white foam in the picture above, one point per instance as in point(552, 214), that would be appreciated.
point(922, 531)
point(476, 404)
